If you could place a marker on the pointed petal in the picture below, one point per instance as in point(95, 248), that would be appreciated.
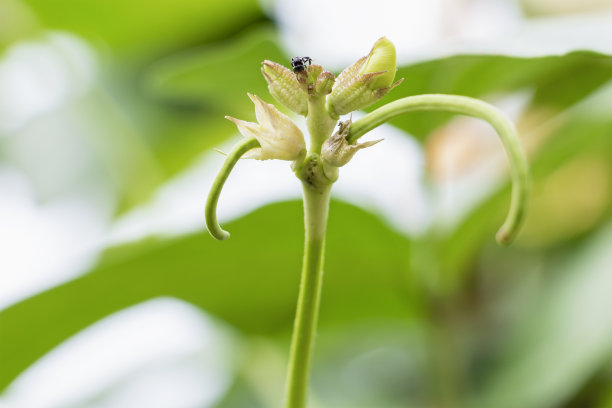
point(277, 135)
point(274, 123)
point(246, 129)
point(262, 111)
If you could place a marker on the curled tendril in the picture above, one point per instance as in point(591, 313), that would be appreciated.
point(215, 190)
point(469, 107)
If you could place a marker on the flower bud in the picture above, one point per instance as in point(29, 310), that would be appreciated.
point(284, 87)
point(336, 151)
point(324, 83)
point(277, 135)
point(316, 81)
point(366, 81)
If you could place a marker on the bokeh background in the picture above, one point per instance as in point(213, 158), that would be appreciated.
point(112, 294)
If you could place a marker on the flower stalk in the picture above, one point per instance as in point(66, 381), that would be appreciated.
point(321, 97)
point(316, 208)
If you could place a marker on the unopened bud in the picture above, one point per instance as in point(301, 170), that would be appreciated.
point(366, 81)
point(381, 60)
point(284, 87)
point(324, 83)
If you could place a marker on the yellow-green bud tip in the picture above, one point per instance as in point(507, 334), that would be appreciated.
point(364, 82)
point(382, 58)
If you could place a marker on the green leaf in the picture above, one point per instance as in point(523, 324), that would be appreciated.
point(193, 91)
point(218, 76)
point(250, 281)
point(581, 131)
point(239, 395)
point(486, 76)
point(566, 339)
point(139, 28)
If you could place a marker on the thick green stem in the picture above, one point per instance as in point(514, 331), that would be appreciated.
point(469, 107)
point(316, 208)
point(210, 210)
point(320, 124)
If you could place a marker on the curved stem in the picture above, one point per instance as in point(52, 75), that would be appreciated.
point(469, 107)
point(316, 208)
point(215, 190)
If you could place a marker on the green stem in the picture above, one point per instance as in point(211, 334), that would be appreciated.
point(316, 208)
point(320, 124)
point(210, 210)
point(469, 107)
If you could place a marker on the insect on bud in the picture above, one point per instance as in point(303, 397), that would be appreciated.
point(366, 81)
point(284, 87)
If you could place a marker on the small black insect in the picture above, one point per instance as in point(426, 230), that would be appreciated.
point(299, 63)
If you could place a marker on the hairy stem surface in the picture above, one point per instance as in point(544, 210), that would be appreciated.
point(316, 208)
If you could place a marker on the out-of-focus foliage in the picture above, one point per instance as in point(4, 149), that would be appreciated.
point(445, 319)
point(198, 88)
point(221, 284)
point(160, 135)
point(501, 74)
point(570, 309)
point(137, 28)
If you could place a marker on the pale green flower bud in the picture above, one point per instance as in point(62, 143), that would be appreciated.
point(277, 135)
point(324, 83)
point(366, 81)
point(336, 151)
point(381, 59)
point(316, 81)
point(285, 88)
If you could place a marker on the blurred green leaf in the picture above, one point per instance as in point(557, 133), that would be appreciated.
point(217, 77)
point(16, 22)
point(193, 91)
point(250, 281)
point(607, 402)
point(487, 75)
point(567, 337)
point(581, 130)
point(140, 28)
point(240, 394)
point(382, 365)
